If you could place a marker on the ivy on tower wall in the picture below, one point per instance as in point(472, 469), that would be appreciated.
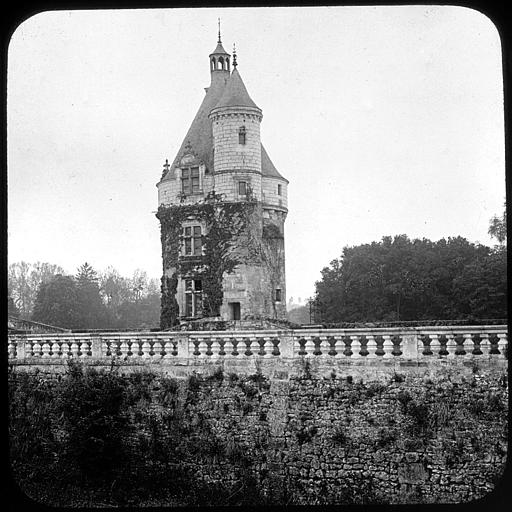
point(231, 231)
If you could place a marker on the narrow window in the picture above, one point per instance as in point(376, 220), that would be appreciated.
point(193, 297)
point(185, 181)
point(278, 294)
point(194, 178)
point(198, 244)
point(242, 188)
point(241, 135)
point(279, 190)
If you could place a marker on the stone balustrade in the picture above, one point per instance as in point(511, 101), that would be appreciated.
point(366, 346)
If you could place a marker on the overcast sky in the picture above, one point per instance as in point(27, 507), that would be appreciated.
point(385, 120)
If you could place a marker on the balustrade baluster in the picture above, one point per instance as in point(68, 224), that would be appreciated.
point(451, 346)
point(268, 346)
point(502, 343)
point(236, 346)
point(276, 347)
point(46, 349)
point(467, 344)
point(371, 347)
point(215, 348)
point(228, 347)
point(167, 348)
point(74, 348)
point(425, 347)
point(55, 349)
point(157, 349)
point(309, 348)
point(222, 347)
point(435, 344)
point(339, 345)
point(64, 348)
point(324, 345)
point(104, 348)
point(298, 345)
point(12, 349)
point(124, 348)
point(485, 345)
point(387, 346)
point(86, 348)
point(146, 349)
point(355, 346)
point(36, 349)
point(247, 345)
point(255, 346)
point(203, 347)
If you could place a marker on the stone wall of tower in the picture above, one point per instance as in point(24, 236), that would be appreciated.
point(270, 188)
point(229, 154)
point(226, 183)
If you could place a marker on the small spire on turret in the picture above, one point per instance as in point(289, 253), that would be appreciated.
point(166, 168)
point(234, 56)
point(219, 41)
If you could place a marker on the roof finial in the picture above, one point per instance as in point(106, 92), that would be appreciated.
point(234, 56)
point(219, 41)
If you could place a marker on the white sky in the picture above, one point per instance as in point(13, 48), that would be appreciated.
point(385, 120)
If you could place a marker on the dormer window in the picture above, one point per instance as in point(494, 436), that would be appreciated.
point(190, 180)
point(241, 135)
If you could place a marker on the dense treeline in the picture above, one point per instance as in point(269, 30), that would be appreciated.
point(44, 293)
point(402, 279)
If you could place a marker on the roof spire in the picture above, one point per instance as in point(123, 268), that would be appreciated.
point(234, 56)
point(219, 41)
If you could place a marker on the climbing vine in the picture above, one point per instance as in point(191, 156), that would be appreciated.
point(230, 239)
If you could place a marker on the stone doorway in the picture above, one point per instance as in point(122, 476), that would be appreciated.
point(234, 308)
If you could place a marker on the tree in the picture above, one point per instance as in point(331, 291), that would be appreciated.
point(24, 280)
point(93, 314)
point(403, 279)
point(12, 310)
point(57, 303)
point(498, 227)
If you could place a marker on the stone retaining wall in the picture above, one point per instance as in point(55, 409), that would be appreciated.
point(314, 418)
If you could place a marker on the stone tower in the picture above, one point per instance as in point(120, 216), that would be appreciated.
point(222, 208)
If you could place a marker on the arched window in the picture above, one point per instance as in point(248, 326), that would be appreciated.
point(213, 63)
point(227, 63)
point(241, 135)
point(220, 63)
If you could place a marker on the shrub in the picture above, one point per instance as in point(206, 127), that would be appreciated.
point(398, 377)
point(375, 388)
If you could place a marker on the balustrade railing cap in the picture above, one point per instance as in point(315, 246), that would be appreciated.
point(303, 332)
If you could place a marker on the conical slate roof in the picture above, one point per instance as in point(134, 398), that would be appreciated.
point(231, 92)
point(235, 94)
point(219, 49)
point(200, 133)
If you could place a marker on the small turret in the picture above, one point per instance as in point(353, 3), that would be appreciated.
point(236, 137)
point(219, 62)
